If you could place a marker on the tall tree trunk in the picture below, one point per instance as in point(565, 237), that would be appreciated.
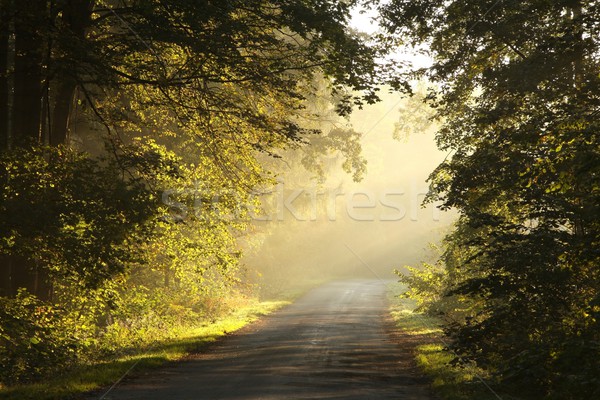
point(6, 275)
point(18, 272)
point(578, 78)
point(30, 19)
point(76, 19)
point(59, 132)
point(6, 262)
point(29, 23)
point(4, 37)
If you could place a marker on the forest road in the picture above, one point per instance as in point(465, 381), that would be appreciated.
point(335, 342)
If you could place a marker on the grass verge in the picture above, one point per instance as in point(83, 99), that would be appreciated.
point(103, 374)
point(450, 382)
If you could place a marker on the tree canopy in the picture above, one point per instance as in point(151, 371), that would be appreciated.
point(517, 88)
point(133, 135)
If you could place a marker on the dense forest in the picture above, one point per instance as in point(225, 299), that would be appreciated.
point(136, 135)
point(516, 85)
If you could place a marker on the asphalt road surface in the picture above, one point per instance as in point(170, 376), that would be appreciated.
point(333, 343)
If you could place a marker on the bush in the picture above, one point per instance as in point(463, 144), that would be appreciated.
point(33, 341)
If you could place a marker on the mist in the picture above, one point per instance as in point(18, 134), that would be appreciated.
point(320, 229)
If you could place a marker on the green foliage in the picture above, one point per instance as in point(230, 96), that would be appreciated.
point(160, 118)
point(34, 341)
point(76, 217)
point(451, 380)
point(174, 344)
point(146, 312)
point(518, 84)
point(426, 285)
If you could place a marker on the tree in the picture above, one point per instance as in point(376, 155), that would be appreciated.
point(130, 134)
point(518, 93)
point(177, 46)
point(213, 82)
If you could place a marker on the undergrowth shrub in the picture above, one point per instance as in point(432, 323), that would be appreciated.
point(33, 339)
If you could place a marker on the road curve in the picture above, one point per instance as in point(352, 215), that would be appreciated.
point(330, 344)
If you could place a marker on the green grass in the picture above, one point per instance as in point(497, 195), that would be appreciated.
point(449, 382)
point(103, 374)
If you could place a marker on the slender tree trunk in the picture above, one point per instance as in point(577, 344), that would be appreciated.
point(4, 37)
point(18, 272)
point(578, 78)
point(76, 18)
point(5, 275)
point(6, 262)
point(29, 25)
point(59, 132)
